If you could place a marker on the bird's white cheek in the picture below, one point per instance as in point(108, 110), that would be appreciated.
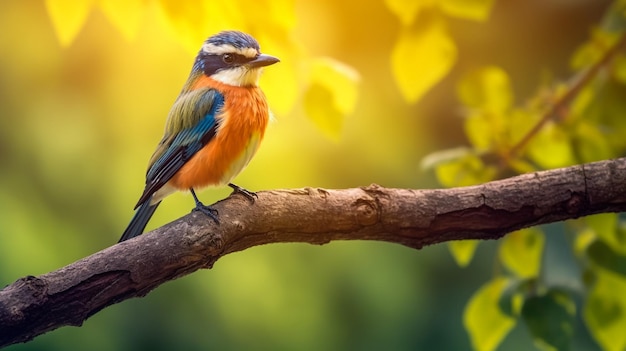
point(240, 76)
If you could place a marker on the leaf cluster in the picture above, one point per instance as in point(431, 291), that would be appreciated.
point(564, 123)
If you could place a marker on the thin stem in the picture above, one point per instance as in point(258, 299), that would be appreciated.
point(578, 82)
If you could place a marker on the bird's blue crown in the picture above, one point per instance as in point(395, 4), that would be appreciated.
point(237, 39)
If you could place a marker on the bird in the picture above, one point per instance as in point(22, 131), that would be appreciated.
point(213, 129)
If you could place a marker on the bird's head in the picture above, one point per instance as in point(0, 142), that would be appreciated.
point(233, 58)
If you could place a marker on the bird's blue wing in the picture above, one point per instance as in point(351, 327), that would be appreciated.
point(177, 149)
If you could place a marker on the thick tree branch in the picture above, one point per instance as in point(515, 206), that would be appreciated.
point(68, 296)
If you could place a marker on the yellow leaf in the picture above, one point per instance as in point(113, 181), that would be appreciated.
point(593, 50)
point(477, 10)
point(484, 321)
point(487, 88)
point(193, 21)
point(186, 21)
point(341, 79)
point(281, 83)
point(463, 251)
point(480, 130)
point(407, 10)
point(496, 131)
point(467, 170)
point(331, 95)
point(421, 58)
point(521, 166)
point(605, 311)
point(551, 147)
point(519, 122)
point(124, 14)
point(604, 225)
point(282, 13)
point(583, 239)
point(277, 14)
point(583, 100)
point(521, 252)
point(68, 17)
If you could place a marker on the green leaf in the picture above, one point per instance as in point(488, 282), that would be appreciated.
point(521, 251)
point(331, 96)
point(550, 319)
point(421, 57)
point(605, 311)
point(602, 255)
point(614, 20)
point(463, 251)
point(591, 144)
point(552, 147)
point(512, 298)
point(608, 110)
point(477, 10)
point(605, 227)
point(619, 68)
point(486, 324)
point(584, 238)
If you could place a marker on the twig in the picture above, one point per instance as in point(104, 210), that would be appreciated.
point(578, 82)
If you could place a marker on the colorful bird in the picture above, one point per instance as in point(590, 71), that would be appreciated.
point(213, 129)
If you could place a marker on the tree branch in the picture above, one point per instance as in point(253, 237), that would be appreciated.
point(68, 296)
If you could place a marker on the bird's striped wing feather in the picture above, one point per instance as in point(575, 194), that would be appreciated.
point(177, 148)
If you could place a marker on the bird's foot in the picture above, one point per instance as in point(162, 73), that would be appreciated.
point(246, 193)
point(206, 210)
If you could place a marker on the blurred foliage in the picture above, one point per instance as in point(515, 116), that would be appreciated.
point(364, 93)
point(486, 323)
point(562, 124)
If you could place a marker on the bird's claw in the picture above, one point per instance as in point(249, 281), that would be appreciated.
point(250, 195)
point(207, 210)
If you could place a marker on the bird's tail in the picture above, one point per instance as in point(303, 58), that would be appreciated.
point(139, 221)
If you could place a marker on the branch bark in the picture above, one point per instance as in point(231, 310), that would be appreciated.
point(415, 218)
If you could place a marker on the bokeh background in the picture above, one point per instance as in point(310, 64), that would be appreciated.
point(79, 120)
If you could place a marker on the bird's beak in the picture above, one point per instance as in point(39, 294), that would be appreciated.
point(263, 60)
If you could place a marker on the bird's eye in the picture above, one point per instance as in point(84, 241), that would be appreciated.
point(228, 58)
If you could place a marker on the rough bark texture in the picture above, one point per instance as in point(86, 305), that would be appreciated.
point(68, 296)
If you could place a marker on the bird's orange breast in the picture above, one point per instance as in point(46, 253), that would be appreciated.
point(242, 122)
